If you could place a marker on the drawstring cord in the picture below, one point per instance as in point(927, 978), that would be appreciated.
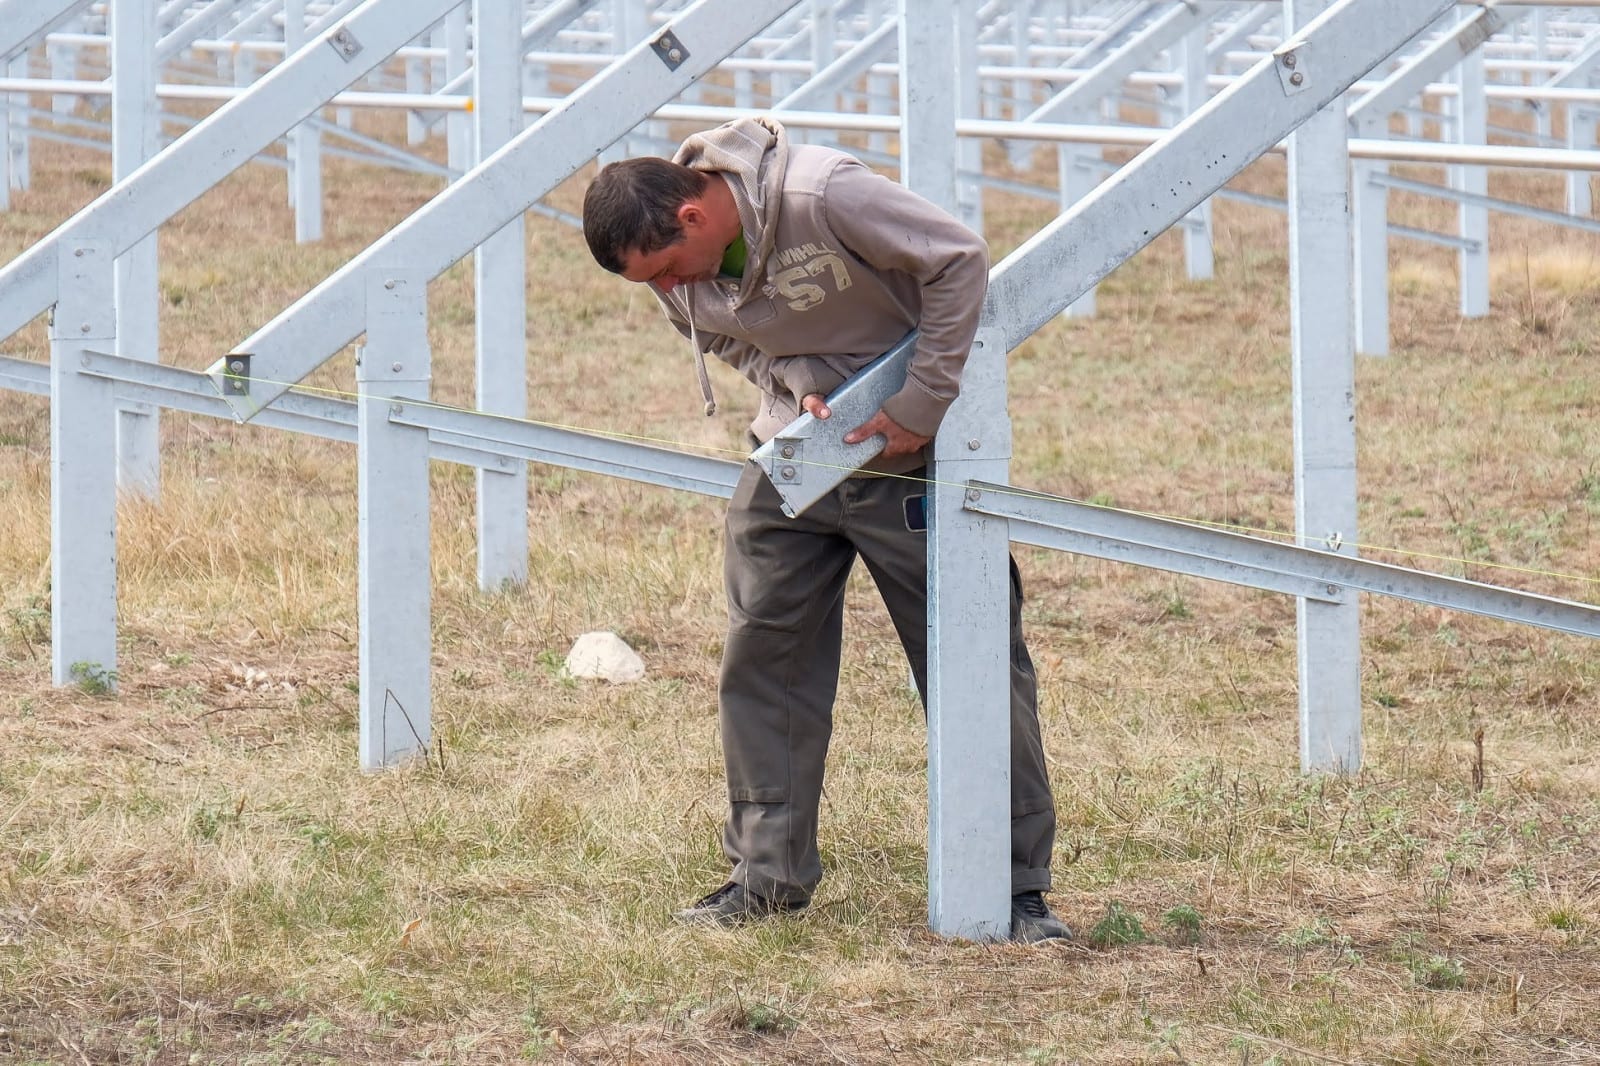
point(699, 358)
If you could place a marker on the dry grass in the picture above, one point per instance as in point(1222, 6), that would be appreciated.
point(196, 871)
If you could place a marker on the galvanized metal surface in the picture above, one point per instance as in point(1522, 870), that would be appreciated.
point(396, 579)
point(497, 190)
point(1339, 574)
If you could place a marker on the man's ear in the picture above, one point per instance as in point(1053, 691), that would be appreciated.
point(691, 214)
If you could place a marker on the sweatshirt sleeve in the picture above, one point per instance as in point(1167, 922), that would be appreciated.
point(892, 228)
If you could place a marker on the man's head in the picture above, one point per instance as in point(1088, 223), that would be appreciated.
point(655, 221)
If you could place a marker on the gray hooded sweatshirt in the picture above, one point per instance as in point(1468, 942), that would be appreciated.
point(841, 264)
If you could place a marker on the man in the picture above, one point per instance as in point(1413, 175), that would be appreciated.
point(797, 265)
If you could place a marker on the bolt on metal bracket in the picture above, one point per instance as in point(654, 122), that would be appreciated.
point(1290, 60)
point(236, 375)
point(787, 460)
point(344, 42)
point(670, 49)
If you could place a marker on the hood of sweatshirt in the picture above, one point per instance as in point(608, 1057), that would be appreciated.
point(753, 154)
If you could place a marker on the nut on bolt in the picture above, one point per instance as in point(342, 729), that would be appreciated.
point(788, 451)
point(1297, 78)
point(1289, 60)
point(787, 473)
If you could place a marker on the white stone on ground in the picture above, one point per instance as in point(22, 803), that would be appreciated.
point(606, 656)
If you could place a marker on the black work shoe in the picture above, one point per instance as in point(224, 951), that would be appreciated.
point(733, 904)
point(1031, 920)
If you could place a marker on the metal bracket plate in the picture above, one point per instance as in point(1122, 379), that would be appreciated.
point(1290, 60)
point(670, 49)
point(344, 42)
point(236, 375)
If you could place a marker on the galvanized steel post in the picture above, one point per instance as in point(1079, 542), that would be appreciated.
point(395, 639)
point(1322, 327)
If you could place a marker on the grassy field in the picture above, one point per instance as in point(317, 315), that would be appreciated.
point(194, 870)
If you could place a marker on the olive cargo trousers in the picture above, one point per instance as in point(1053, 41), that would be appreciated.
point(785, 581)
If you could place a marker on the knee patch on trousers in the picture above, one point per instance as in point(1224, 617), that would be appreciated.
point(758, 795)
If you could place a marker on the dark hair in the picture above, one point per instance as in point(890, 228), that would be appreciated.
point(632, 206)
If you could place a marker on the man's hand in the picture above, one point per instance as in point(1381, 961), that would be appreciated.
point(901, 441)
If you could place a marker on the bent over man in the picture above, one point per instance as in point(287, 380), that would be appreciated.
point(797, 265)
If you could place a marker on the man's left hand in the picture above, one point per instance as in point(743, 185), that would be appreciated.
point(901, 441)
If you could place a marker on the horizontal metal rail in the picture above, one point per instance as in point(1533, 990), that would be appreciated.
point(471, 439)
point(1164, 540)
point(573, 449)
point(1509, 207)
point(1492, 155)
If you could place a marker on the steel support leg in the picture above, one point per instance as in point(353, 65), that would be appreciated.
point(1370, 202)
point(1472, 127)
point(395, 641)
point(83, 472)
point(1324, 420)
point(500, 274)
point(135, 137)
point(969, 738)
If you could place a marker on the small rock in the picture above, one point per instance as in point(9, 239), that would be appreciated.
point(606, 656)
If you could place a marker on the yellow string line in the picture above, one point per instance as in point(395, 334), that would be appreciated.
point(1007, 491)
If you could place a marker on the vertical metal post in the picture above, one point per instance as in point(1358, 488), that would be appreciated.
point(18, 161)
point(1541, 51)
point(135, 137)
point(5, 145)
point(416, 75)
point(305, 143)
point(1371, 206)
point(500, 273)
point(1472, 127)
point(969, 737)
point(83, 471)
point(458, 133)
point(1197, 248)
point(877, 84)
point(1021, 88)
point(64, 67)
point(395, 641)
point(969, 734)
point(1076, 181)
point(970, 149)
point(1324, 414)
point(1580, 136)
point(928, 102)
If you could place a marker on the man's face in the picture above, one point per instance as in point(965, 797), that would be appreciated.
point(697, 256)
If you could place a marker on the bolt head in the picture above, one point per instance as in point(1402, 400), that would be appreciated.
point(236, 366)
point(972, 495)
point(974, 444)
point(1333, 590)
point(389, 285)
point(1296, 78)
point(675, 55)
point(84, 328)
point(787, 473)
point(1290, 60)
point(398, 367)
point(78, 253)
point(788, 451)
